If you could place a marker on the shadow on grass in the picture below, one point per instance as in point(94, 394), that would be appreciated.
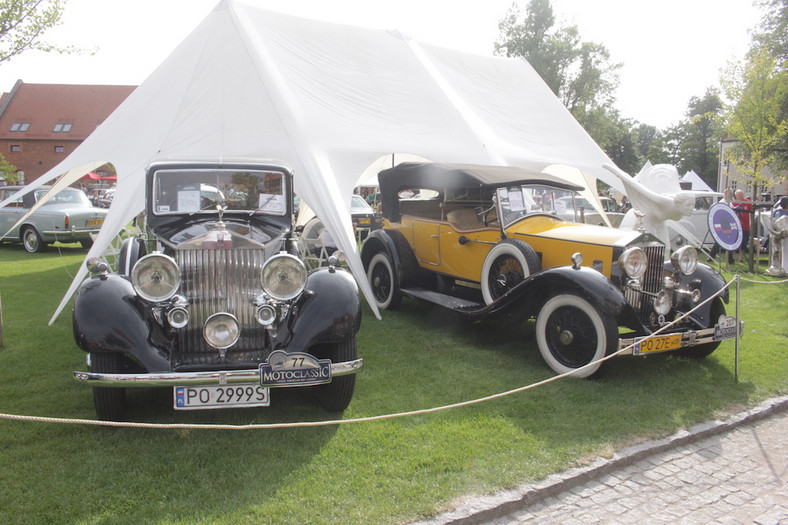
point(632, 395)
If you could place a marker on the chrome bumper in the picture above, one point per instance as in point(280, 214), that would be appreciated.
point(689, 339)
point(70, 235)
point(221, 377)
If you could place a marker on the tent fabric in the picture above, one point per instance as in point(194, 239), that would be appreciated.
point(327, 100)
point(697, 183)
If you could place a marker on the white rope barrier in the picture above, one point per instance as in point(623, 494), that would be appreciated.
point(302, 424)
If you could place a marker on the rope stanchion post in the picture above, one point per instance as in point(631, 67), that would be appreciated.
point(738, 327)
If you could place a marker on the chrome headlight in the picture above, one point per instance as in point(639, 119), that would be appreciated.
point(156, 277)
point(221, 330)
point(284, 277)
point(265, 314)
point(633, 262)
point(685, 260)
point(178, 317)
point(663, 302)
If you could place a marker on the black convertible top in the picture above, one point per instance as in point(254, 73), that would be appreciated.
point(429, 175)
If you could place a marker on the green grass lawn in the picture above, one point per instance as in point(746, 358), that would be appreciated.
point(392, 471)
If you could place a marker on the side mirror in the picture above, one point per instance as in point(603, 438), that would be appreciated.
point(463, 240)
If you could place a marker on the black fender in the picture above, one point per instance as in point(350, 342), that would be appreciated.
point(132, 250)
point(108, 317)
point(329, 311)
point(710, 282)
point(396, 246)
point(529, 296)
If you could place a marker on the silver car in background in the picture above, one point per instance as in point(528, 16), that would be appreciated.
point(67, 217)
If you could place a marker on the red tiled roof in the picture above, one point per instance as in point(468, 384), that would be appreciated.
point(44, 105)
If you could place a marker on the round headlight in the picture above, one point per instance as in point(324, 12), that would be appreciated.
point(221, 330)
point(156, 277)
point(284, 276)
point(685, 260)
point(633, 262)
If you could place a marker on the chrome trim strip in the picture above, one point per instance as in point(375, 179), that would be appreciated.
point(218, 377)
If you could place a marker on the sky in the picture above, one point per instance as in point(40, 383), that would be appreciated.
point(671, 50)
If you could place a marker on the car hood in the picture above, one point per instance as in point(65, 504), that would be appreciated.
point(587, 233)
point(220, 235)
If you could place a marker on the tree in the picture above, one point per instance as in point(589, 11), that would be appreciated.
point(773, 34)
point(702, 134)
point(754, 115)
point(23, 23)
point(579, 73)
point(666, 146)
point(615, 135)
point(8, 171)
point(773, 39)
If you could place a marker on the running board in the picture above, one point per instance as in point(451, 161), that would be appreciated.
point(447, 301)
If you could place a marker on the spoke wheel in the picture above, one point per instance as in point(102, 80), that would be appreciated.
point(508, 264)
point(571, 333)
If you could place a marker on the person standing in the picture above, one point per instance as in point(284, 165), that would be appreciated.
point(743, 207)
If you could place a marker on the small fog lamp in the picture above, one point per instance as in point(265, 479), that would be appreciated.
point(265, 314)
point(178, 317)
point(663, 302)
point(221, 330)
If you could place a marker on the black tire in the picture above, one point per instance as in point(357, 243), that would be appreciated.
point(31, 240)
point(383, 281)
point(110, 402)
point(705, 350)
point(131, 251)
point(336, 395)
point(507, 265)
point(571, 333)
point(86, 244)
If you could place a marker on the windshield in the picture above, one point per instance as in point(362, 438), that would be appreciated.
point(195, 190)
point(527, 199)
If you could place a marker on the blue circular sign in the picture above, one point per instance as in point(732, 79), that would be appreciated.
point(725, 227)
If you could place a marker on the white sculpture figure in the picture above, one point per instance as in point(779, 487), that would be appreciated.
point(657, 195)
point(778, 246)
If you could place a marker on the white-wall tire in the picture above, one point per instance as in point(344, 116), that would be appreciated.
point(507, 264)
point(383, 281)
point(571, 333)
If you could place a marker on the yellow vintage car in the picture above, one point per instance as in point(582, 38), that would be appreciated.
point(484, 240)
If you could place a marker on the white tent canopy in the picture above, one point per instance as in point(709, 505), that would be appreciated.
point(326, 100)
point(698, 184)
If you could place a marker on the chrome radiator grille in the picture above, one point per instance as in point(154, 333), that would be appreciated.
point(651, 282)
point(221, 281)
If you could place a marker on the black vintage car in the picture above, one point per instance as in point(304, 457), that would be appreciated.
point(492, 240)
point(214, 302)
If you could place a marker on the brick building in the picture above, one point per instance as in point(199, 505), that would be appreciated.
point(40, 124)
